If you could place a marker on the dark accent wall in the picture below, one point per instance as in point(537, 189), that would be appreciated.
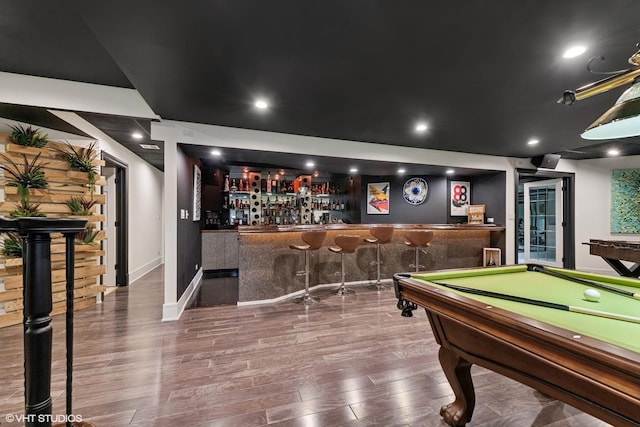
point(431, 211)
point(189, 236)
point(488, 189)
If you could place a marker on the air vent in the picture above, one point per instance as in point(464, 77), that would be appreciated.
point(150, 146)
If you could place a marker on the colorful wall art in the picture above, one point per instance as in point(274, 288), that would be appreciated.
point(625, 201)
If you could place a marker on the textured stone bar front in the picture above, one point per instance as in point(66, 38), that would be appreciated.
point(267, 267)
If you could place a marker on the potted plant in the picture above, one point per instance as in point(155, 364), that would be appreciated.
point(26, 209)
point(28, 175)
point(12, 245)
point(81, 159)
point(28, 137)
point(80, 206)
point(87, 236)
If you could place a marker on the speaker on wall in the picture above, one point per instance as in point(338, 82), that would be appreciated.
point(548, 161)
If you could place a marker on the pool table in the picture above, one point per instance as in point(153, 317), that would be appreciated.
point(589, 362)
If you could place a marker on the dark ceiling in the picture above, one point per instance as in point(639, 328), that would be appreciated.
point(484, 74)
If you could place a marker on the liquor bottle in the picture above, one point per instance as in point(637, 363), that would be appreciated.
point(234, 187)
point(226, 183)
point(491, 262)
point(268, 182)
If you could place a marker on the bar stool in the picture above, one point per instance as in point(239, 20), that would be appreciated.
point(381, 235)
point(418, 239)
point(346, 245)
point(313, 241)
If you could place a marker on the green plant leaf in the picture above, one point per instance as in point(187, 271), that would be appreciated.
point(29, 137)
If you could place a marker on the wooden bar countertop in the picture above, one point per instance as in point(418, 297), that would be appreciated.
point(308, 227)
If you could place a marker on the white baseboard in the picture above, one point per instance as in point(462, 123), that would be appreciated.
point(301, 292)
point(173, 311)
point(141, 271)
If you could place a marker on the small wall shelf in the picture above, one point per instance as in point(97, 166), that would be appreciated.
point(491, 257)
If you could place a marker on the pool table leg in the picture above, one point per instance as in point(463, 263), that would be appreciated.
point(458, 372)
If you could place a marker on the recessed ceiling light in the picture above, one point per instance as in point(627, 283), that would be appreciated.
point(574, 51)
point(137, 135)
point(421, 127)
point(261, 104)
point(149, 146)
point(402, 170)
point(533, 141)
point(450, 171)
point(216, 152)
point(353, 170)
point(310, 164)
point(613, 152)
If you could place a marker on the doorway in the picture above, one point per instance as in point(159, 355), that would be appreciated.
point(545, 218)
point(543, 222)
point(115, 225)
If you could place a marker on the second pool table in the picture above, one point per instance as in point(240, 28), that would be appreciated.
point(589, 362)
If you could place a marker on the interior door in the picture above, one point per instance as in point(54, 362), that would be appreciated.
point(109, 190)
point(543, 222)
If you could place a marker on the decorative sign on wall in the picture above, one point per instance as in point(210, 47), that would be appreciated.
point(460, 197)
point(378, 198)
point(197, 192)
point(625, 209)
point(415, 191)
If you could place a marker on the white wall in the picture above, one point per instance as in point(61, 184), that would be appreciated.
point(593, 208)
point(145, 188)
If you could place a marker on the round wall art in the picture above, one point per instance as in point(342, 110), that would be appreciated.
point(415, 191)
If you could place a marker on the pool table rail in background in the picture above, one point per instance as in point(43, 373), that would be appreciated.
point(615, 251)
point(594, 376)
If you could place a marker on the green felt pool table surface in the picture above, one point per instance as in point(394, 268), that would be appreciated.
point(516, 280)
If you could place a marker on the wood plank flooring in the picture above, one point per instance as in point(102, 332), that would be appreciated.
point(344, 362)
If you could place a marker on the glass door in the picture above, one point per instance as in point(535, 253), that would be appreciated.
point(543, 218)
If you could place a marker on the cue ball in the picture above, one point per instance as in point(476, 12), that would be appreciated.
point(592, 295)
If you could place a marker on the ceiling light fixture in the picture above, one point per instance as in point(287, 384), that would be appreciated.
point(620, 121)
point(310, 164)
point(149, 146)
point(401, 170)
point(216, 153)
point(261, 104)
point(574, 51)
point(136, 135)
point(353, 170)
point(613, 152)
point(623, 119)
point(421, 127)
point(533, 141)
point(450, 172)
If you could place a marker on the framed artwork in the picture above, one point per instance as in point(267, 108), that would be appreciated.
point(197, 192)
point(378, 198)
point(415, 191)
point(625, 210)
point(460, 196)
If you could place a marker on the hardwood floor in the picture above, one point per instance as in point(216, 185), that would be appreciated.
point(352, 362)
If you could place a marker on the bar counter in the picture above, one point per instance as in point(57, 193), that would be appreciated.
point(267, 266)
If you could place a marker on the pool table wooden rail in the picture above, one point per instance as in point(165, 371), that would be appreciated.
point(593, 376)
